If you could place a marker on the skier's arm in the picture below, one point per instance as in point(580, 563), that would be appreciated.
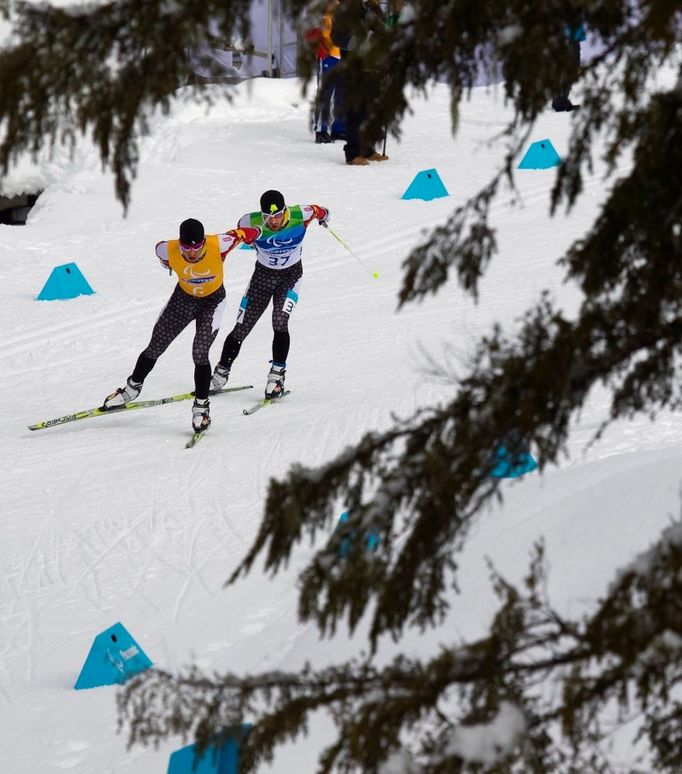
point(230, 239)
point(161, 251)
point(249, 234)
point(315, 212)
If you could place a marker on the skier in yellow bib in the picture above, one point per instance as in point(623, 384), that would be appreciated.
point(197, 260)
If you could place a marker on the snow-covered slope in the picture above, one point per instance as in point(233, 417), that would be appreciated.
point(111, 519)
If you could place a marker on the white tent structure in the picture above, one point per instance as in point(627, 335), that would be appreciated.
point(281, 41)
point(271, 51)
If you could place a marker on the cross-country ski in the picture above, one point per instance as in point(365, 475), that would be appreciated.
point(100, 411)
point(264, 402)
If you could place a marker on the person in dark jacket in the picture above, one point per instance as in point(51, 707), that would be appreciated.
point(354, 21)
point(560, 102)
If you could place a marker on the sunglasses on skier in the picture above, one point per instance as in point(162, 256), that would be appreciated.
point(193, 250)
point(269, 216)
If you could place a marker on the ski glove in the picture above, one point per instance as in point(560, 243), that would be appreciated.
point(324, 218)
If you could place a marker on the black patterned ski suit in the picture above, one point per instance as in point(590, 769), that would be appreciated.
point(277, 276)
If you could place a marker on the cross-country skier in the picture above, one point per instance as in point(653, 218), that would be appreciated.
point(277, 276)
point(197, 260)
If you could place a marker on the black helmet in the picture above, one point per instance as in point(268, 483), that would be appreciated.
point(191, 232)
point(271, 202)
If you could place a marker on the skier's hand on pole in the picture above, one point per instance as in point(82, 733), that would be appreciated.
point(322, 214)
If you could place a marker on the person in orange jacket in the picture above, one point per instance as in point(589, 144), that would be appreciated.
point(329, 124)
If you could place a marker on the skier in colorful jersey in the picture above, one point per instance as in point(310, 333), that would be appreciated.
point(197, 260)
point(277, 276)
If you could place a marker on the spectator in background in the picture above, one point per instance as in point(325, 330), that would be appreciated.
point(329, 124)
point(359, 149)
point(561, 103)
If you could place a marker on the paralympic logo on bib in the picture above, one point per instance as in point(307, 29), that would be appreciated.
point(288, 239)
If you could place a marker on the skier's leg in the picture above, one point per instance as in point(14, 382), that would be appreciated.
point(178, 313)
point(142, 368)
point(174, 317)
point(208, 319)
point(253, 304)
point(284, 302)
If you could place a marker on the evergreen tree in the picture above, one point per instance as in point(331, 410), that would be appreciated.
point(101, 69)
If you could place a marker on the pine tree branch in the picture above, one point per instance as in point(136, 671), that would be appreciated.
point(100, 71)
point(600, 661)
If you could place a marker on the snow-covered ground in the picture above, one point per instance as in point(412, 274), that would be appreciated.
point(112, 519)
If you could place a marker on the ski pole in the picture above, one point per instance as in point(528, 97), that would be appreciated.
point(375, 274)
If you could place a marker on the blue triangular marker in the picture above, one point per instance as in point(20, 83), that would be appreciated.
point(113, 658)
point(64, 282)
point(223, 761)
point(371, 538)
point(507, 467)
point(426, 185)
point(541, 155)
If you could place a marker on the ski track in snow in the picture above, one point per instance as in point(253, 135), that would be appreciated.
point(22, 344)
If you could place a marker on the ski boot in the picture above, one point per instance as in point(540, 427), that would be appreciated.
point(219, 378)
point(123, 395)
point(275, 384)
point(200, 415)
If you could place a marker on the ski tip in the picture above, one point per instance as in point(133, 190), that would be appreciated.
point(194, 440)
point(263, 402)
